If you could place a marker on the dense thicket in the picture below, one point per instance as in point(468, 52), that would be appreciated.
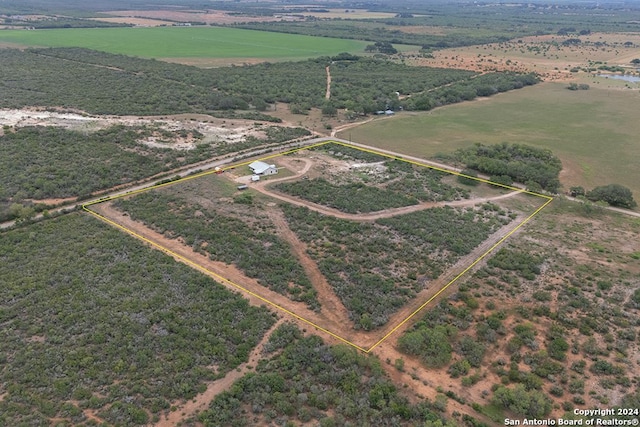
point(525, 263)
point(309, 382)
point(350, 198)
point(49, 162)
point(118, 84)
point(34, 77)
point(253, 248)
point(525, 164)
point(93, 319)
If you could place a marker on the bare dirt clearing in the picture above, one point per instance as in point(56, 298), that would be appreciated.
point(214, 130)
point(551, 56)
point(168, 17)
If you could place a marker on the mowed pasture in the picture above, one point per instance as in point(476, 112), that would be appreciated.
point(594, 132)
point(187, 42)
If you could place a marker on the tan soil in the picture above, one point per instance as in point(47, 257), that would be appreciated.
point(205, 16)
point(328, 93)
point(261, 186)
point(552, 62)
point(138, 22)
point(333, 318)
point(227, 275)
point(52, 202)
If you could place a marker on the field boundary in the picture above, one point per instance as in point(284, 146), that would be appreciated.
point(224, 280)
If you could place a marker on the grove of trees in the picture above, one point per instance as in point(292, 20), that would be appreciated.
point(525, 164)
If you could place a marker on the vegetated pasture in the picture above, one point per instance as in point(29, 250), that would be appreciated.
point(302, 380)
point(593, 132)
point(187, 42)
point(95, 323)
point(556, 308)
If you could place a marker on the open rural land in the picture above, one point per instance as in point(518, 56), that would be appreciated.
point(319, 213)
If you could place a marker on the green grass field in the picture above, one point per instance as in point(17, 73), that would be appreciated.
point(594, 132)
point(186, 42)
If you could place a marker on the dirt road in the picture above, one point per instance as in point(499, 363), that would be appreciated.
point(328, 93)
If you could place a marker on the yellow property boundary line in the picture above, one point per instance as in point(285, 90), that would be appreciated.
point(222, 279)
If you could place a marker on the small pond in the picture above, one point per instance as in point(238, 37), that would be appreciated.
point(632, 79)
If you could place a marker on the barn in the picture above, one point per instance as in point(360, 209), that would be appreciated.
point(262, 168)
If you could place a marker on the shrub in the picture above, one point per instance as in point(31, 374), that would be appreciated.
point(613, 194)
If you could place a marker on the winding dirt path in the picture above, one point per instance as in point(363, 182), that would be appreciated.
point(372, 216)
point(214, 388)
point(264, 188)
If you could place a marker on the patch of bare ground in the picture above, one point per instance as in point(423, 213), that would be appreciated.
point(551, 56)
point(52, 202)
point(138, 22)
point(312, 119)
point(214, 62)
point(423, 383)
point(181, 126)
point(200, 16)
point(192, 407)
point(264, 187)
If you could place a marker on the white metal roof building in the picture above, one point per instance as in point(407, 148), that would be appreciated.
point(262, 168)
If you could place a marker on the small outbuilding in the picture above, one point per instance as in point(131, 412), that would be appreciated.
point(255, 178)
point(262, 168)
point(243, 187)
